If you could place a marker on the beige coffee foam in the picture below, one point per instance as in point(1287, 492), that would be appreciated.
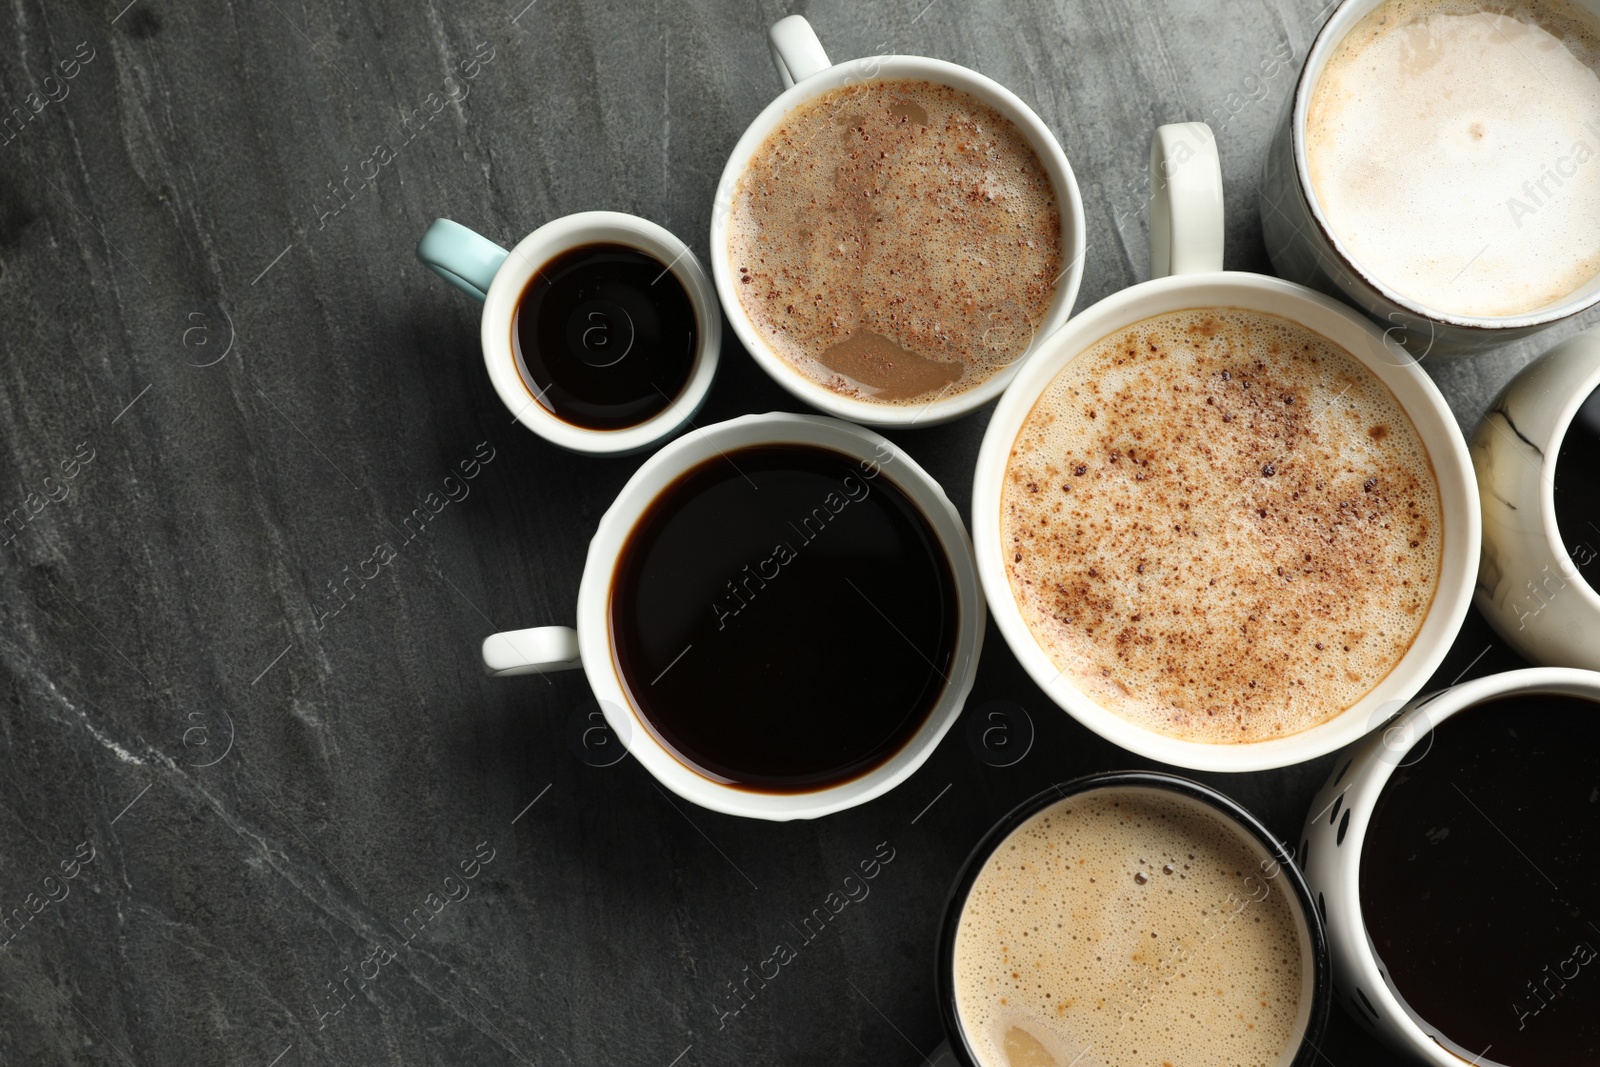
point(1170, 576)
point(1429, 134)
point(1063, 956)
point(896, 241)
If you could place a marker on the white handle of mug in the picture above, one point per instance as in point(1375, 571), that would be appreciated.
point(1185, 200)
point(796, 52)
point(536, 651)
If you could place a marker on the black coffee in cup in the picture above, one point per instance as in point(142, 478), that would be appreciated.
point(1480, 886)
point(1577, 489)
point(784, 618)
point(604, 336)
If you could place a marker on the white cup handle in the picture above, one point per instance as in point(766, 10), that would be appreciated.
point(1185, 201)
point(796, 52)
point(536, 651)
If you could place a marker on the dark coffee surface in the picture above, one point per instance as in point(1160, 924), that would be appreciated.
point(1480, 881)
point(784, 617)
point(1577, 489)
point(604, 336)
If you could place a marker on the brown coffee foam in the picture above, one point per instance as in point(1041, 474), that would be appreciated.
point(1221, 526)
point(1064, 956)
point(1454, 147)
point(896, 241)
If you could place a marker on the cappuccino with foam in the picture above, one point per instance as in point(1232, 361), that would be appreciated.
point(1221, 526)
point(1130, 926)
point(896, 241)
point(1454, 148)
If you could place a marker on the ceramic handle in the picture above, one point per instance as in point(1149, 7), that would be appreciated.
point(536, 651)
point(462, 257)
point(796, 52)
point(1186, 200)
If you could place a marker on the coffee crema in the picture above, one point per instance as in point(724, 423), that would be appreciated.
point(784, 618)
point(896, 241)
point(1127, 926)
point(1479, 883)
point(1455, 149)
point(1221, 526)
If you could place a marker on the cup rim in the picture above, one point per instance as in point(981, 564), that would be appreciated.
point(593, 612)
point(523, 262)
point(1328, 37)
point(889, 67)
point(1422, 403)
point(1218, 801)
point(1366, 786)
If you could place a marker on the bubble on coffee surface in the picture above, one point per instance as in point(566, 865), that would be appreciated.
point(1221, 526)
point(1455, 151)
point(896, 241)
point(1063, 955)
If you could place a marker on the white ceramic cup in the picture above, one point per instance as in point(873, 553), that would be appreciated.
point(1186, 238)
point(1530, 588)
point(1304, 248)
point(480, 268)
point(555, 648)
point(1336, 827)
point(807, 74)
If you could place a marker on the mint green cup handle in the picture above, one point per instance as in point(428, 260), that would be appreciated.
point(461, 257)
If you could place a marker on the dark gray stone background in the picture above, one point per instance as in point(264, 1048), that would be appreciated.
point(268, 388)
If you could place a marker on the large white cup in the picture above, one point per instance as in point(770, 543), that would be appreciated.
point(807, 74)
point(589, 646)
point(1186, 240)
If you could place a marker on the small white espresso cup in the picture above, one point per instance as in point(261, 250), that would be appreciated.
point(1336, 827)
point(807, 74)
point(1529, 587)
point(482, 269)
point(1186, 243)
point(1303, 246)
point(555, 648)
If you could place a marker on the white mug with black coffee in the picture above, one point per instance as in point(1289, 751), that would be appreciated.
point(779, 617)
point(1439, 166)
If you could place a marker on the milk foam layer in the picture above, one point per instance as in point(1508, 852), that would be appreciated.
point(896, 241)
point(1221, 526)
point(1456, 151)
point(1127, 927)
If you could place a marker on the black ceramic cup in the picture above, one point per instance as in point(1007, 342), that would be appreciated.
point(1276, 867)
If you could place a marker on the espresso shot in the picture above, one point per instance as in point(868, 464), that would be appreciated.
point(784, 618)
point(604, 336)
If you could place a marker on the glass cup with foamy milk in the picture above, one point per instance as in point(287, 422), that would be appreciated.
point(1439, 167)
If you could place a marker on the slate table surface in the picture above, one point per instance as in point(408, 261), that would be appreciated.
point(207, 286)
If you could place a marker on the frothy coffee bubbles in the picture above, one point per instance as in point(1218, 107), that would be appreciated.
point(896, 241)
point(1129, 926)
point(1221, 526)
